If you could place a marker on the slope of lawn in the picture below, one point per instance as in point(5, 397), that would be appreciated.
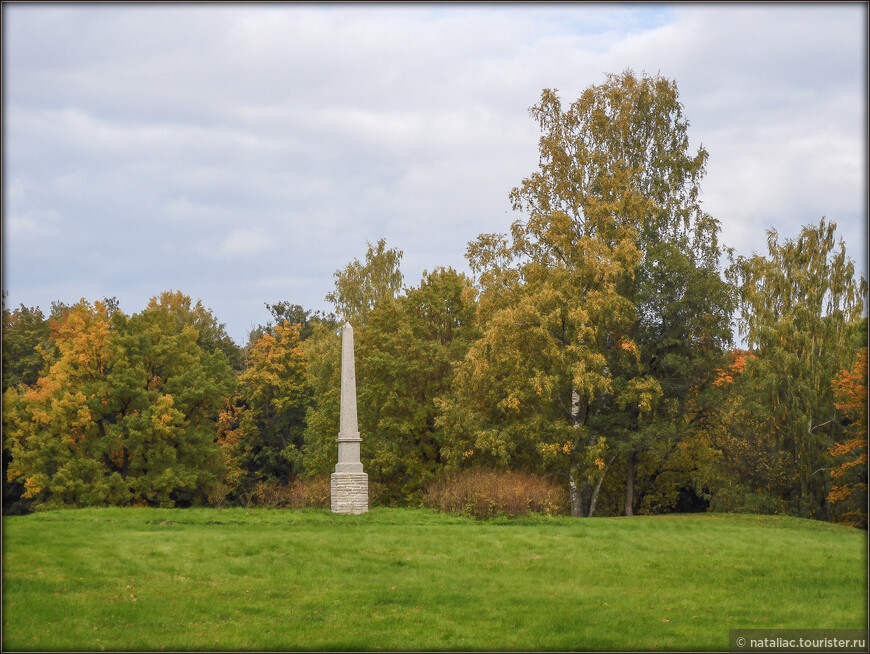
point(403, 579)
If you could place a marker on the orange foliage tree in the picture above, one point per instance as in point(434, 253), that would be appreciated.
point(850, 493)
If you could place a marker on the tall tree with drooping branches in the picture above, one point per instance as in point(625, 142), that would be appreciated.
point(799, 307)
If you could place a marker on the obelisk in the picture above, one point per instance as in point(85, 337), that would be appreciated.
point(349, 485)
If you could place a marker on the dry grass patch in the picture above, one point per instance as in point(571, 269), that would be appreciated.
point(488, 493)
point(300, 494)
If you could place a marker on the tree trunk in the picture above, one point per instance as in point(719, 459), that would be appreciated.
point(576, 498)
point(629, 485)
point(594, 499)
point(598, 483)
point(574, 490)
point(575, 407)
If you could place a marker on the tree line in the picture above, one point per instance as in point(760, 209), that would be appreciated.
point(592, 343)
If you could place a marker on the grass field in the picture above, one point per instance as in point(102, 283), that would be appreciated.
point(401, 579)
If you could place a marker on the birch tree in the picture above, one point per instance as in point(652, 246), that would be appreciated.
point(798, 308)
point(582, 349)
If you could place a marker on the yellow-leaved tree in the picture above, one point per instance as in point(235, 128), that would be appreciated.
point(602, 312)
point(800, 307)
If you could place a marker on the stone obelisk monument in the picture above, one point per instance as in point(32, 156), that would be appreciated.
point(349, 485)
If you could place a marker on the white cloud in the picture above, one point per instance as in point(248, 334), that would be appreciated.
point(212, 147)
point(242, 243)
point(32, 227)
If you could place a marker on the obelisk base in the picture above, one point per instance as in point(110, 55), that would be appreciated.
point(349, 492)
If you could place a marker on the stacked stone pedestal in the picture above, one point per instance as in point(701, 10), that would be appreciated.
point(349, 492)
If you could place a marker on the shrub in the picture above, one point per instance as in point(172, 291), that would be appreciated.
point(302, 493)
point(217, 495)
point(487, 493)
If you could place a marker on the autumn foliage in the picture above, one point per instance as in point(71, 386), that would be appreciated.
point(260, 430)
point(123, 410)
point(590, 346)
point(850, 473)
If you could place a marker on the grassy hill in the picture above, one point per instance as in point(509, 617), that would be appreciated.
point(398, 579)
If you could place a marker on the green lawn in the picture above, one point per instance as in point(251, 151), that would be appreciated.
point(397, 579)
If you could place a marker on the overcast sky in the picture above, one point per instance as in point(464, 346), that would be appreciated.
point(244, 153)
